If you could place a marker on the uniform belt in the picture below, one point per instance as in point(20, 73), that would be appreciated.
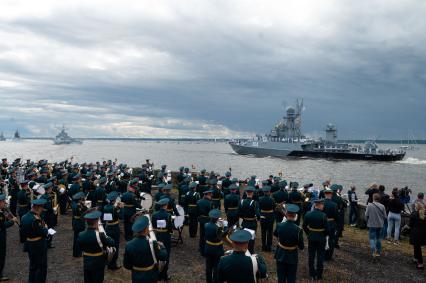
point(288, 248)
point(214, 243)
point(100, 201)
point(232, 208)
point(330, 219)
point(204, 216)
point(142, 269)
point(266, 211)
point(249, 218)
point(316, 230)
point(215, 198)
point(34, 239)
point(113, 223)
point(297, 202)
point(93, 254)
point(22, 205)
point(169, 210)
point(192, 205)
point(129, 205)
point(161, 230)
point(76, 217)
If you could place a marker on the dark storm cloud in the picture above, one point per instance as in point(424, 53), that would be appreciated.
point(222, 69)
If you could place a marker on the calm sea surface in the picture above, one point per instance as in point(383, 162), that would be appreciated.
point(219, 157)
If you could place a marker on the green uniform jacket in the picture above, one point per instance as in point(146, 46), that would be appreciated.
point(267, 207)
point(191, 199)
point(249, 212)
point(315, 225)
point(330, 209)
point(231, 204)
point(24, 202)
point(290, 238)
point(203, 209)
point(296, 198)
point(78, 223)
point(280, 196)
point(89, 244)
point(34, 232)
point(238, 268)
point(162, 234)
point(130, 203)
point(75, 188)
point(4, 224)
point(112, 226)
point(213, 236)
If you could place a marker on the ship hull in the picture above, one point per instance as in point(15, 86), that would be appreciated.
point(348, 155)
point(262, 151)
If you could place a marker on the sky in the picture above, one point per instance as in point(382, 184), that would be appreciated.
point(212, 68)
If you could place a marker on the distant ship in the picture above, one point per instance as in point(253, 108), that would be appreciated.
point(16, 136)
point(286, 140)
point(2, 138)
point(64, 138)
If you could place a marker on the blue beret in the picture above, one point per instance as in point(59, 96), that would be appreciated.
point(228, 174)
point(253, 177)
point(93, 215)
point(319, 201)
point(203, 171)
point(213, 181)
point(48, 185)
point(133, 181)
point(294, 185)
point(78, 195)
point(207, 192)
point(192, 185)
point(103, 180)
point(250, 189)
point(292, 208)
point(140, 224)
point(163, 201)
point(76, 176)
point(234, 180)
point(328, 190)
point(168, 187)
point(240, 236)
point(233, 187)
point(112, 196)
point(53, 178)
point(39, 201)
point(215, 213)
point(334, 187)
point(282, 184)
point(161, 185)
point(2, 197)
point(266, 189)
point(181, 168)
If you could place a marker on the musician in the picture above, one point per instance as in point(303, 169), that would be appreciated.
point(226, 183)
point(181, 175)
point(13, 190)
point(35, 232)
point(78, 224)
point(341, 207)
point(112, 228)
point(54, 197)
point(142, 254)
point(204, 206)
point(3, 167)
point(6, 220)
point(48, 214)
point(63, 191)
point(316, 227)
point(183, 188)
point(307, 199)
point(161, 174)
point(191, 199)
point(295, 197)
point(214, 233)
point(171, 207)
point(24, 196)
point(90, 242)
point(217, 195)
point(290, 239)
point(129, 209)
point(76, 185)
point(267, 218)
point(163, 227)
point(158, 195)
point(231, 203)
point(331, 210)
point(202, 181)
point(238, 265)
point(100, 193)
point(249, 212)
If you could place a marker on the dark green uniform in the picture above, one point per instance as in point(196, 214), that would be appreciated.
point(100, 196)
point(225, 186)
point(216, 197)
point(4, 224)
point(129, 209)
point(75, 188)
point(35, 233)
point(330, 209)
point(238, 268)
point(163, 235)
point(249, 212)
point(138, 258)
point(78, 225)
point(191, 199)
point(48, 215)
point(93, 257)
point(280, 197)
point(24, 202)
point(203, 208)
point(267, 218)
point(316, 227)
point(112, 229)
point(213, 250)
point(290, 239)
point(295, 197)
point(231, 204)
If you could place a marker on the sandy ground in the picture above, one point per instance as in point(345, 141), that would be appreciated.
point(352, 263)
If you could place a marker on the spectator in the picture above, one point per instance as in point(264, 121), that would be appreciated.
point(394, 216)
point(371, 191)
point(404, 194)
point(384, 199)
point(353, 206)
point(420, 199)
point(375, 214)
point(418, 233)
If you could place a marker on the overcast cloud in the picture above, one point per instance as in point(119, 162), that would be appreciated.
point(212, 68)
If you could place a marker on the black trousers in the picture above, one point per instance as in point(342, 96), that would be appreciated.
point(418, 254)
point(353, 214)
point(114, 233)
point(331, 241)
point(2, 251)
point(286, 272)
point(266, 227)
point(193, 225)
point(202, 242)
point(76, 251)
point(37, 254)
point(211, 268)
point(316, 251)
point(63, 202)
point(13, 205)
point(94, 276)
point(128, 233)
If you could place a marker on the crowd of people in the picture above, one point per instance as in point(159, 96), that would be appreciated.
point(219, 209)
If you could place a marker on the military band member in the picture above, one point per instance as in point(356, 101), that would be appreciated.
point(24, 199)
point(163, 227)
point(316, 227)
point(129, 209)
point(76, 186)
point(90, 242)
point(280, 197)
point(226, 183)
point(78, 223)
point(267, 218)
point(63, 192)
point(330, 209)
point(216, 194)
point(48, 214)
point(13, 190)
point(100, 193)
point(295, 197)
point(203, 208)
point(191, 199)
point(171, 206)
point(231, 204)
point(290, 239)
point(249, 212)
point(214, 233)
point(6, 221)
point(239, 265)
point(112, 227)
point(36, 233)
point(141, 255)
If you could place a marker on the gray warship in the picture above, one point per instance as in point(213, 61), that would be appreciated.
point(64, 138)
point(286, 140)
point(2, 138)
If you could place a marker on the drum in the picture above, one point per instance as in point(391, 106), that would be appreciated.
point(179, 220)
point(146, 201)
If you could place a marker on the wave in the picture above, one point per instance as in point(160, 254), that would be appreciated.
point(412, 160)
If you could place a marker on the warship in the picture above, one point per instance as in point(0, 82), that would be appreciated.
point(2, 138)
point(64, 138)
point(16, 136)
point(286, 140)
